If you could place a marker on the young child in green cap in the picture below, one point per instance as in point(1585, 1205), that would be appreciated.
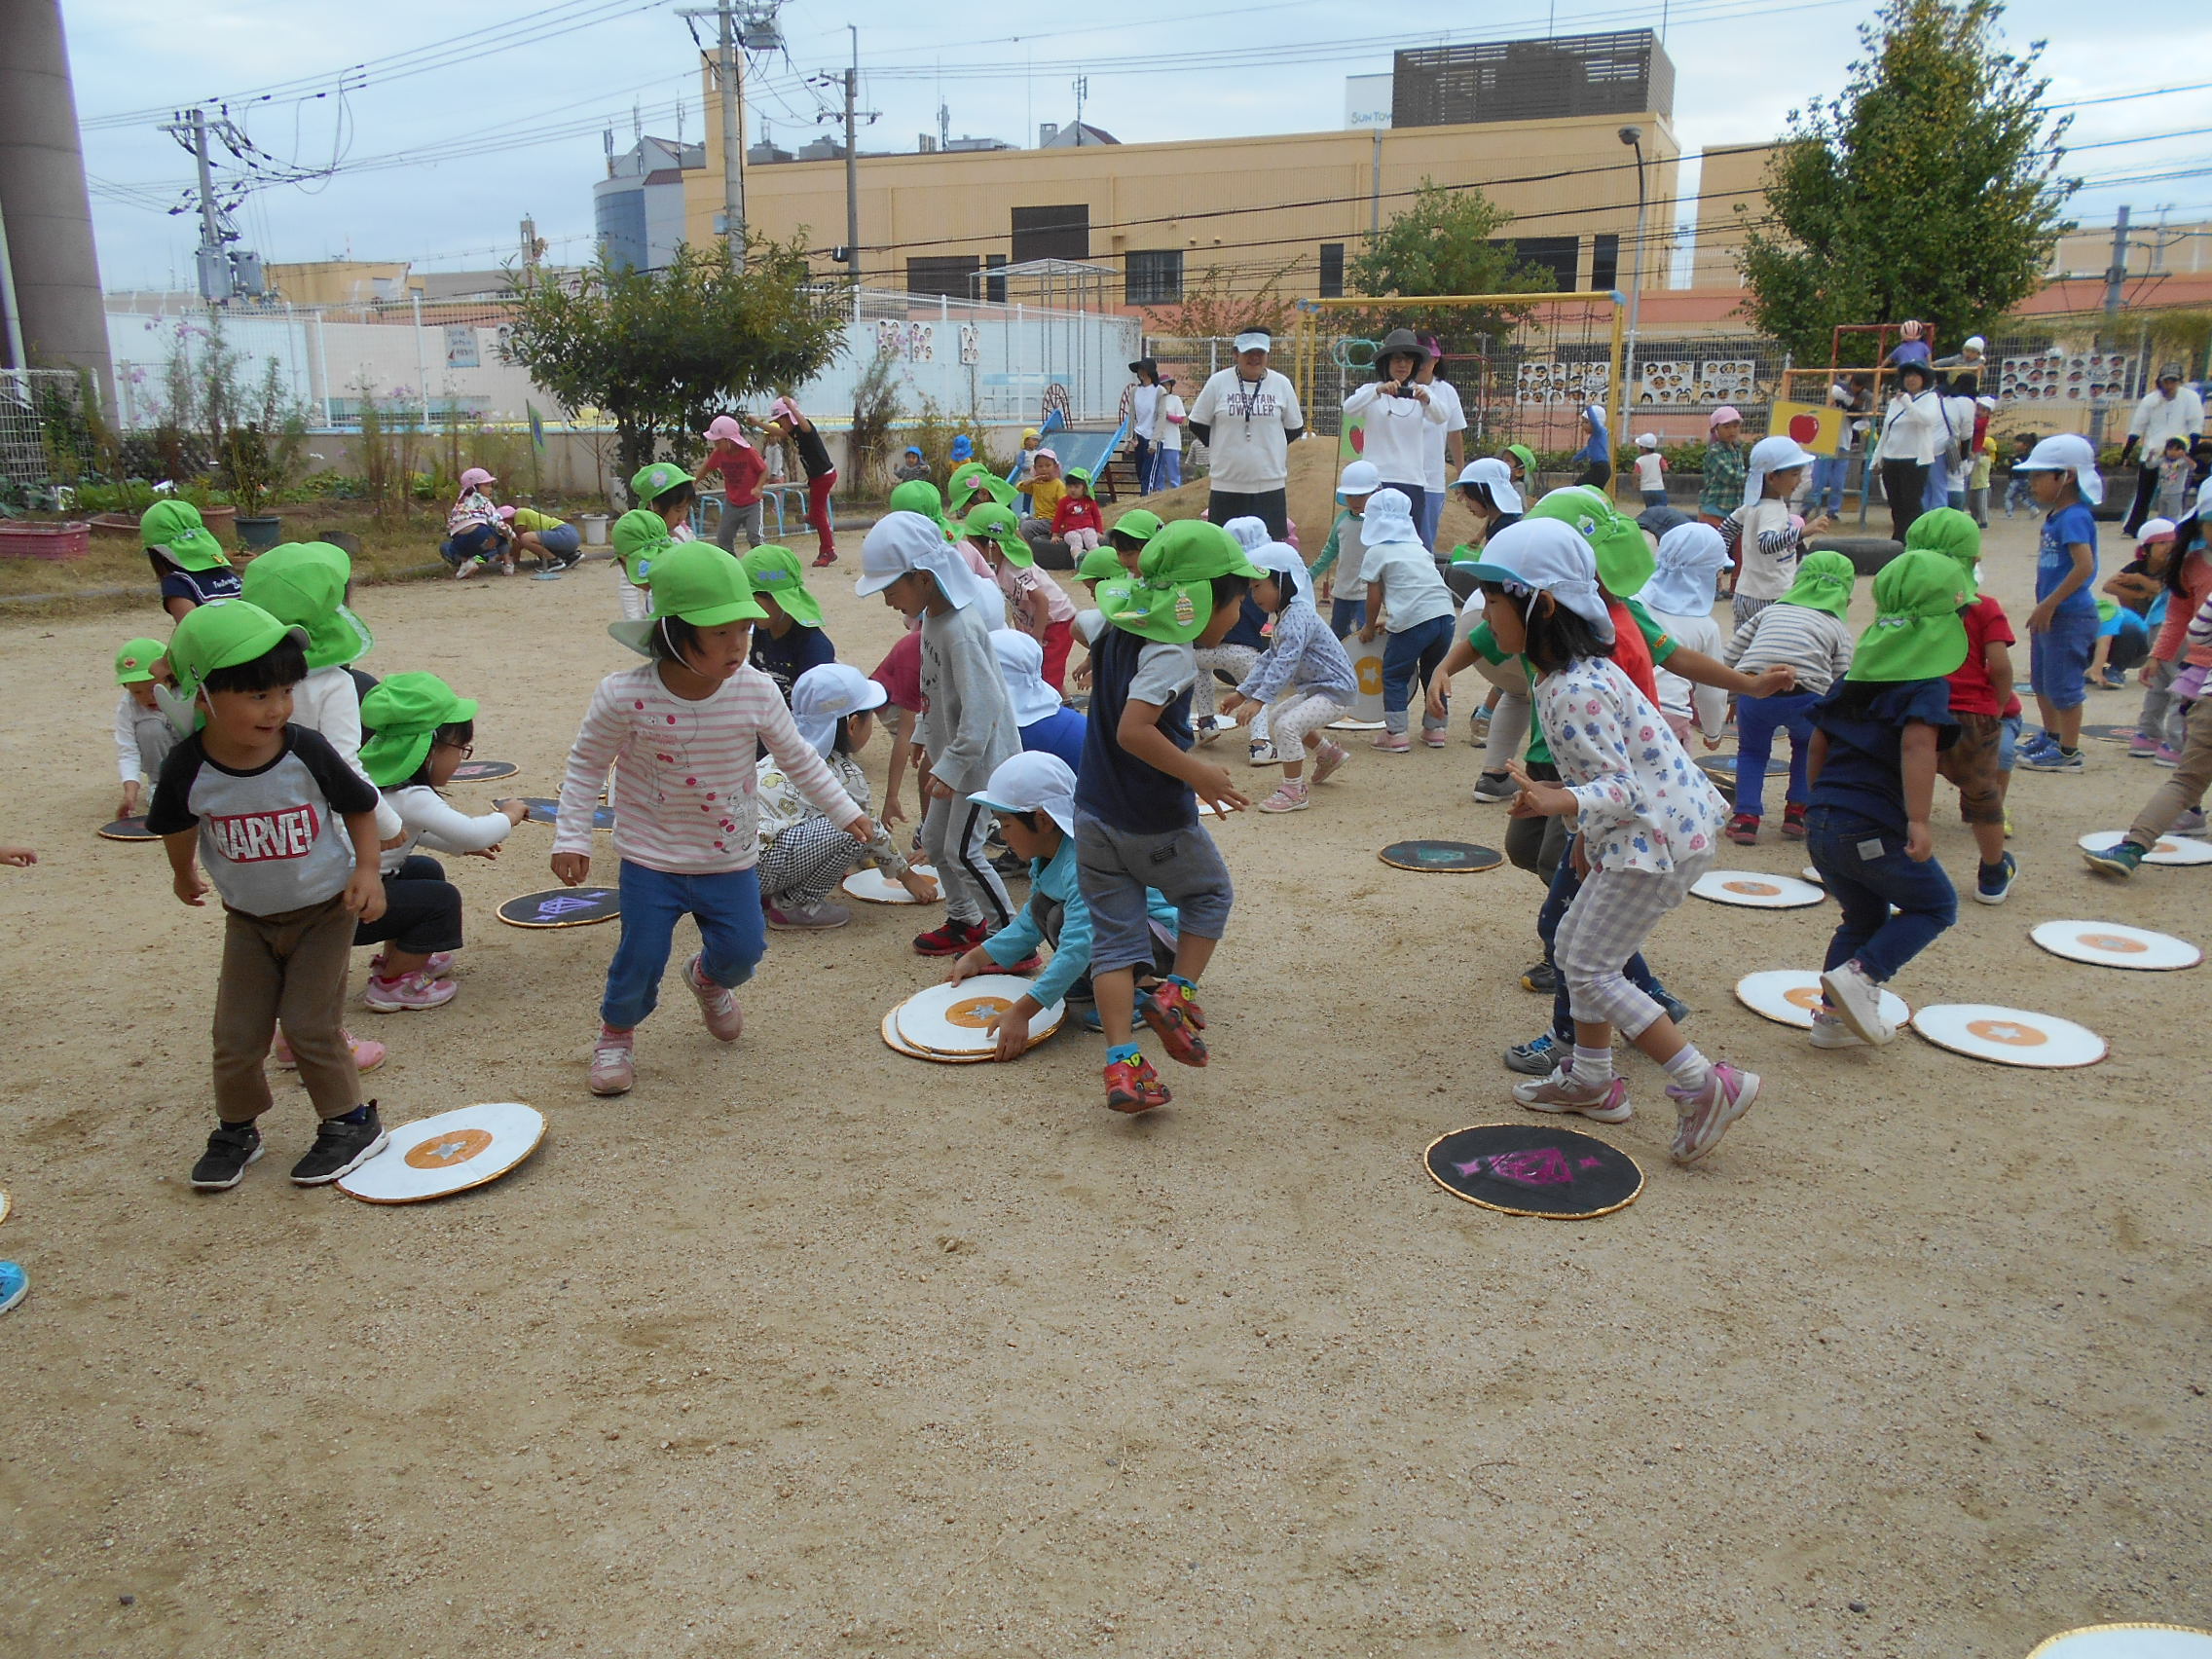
point(664, 493)
point(1805, 629)
point(1877, 735)
point(1035, 604)
point(681, 735)
point(1136, 817)
point(791, 640)
point(422, 733)
point(143, 734)
point(188, 561)
point(288, 833)
point(1981, 701)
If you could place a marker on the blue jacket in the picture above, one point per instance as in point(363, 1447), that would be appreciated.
point(1053, 882)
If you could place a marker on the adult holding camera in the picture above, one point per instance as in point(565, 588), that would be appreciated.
point(1248, 415)
point(1397, 409)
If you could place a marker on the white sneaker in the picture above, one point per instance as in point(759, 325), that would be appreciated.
point(1263, 753)
point(1206, 727)
point(1857, 1001)
point(1830, 1032)
point(1606, 1102)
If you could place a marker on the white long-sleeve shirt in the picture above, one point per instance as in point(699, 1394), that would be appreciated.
point(683, 793)
point(2157, 419)
point(1913, 428)
point(1397, 432)
point(433, 823)
point(328, 704)
point(1641, 805)
point(144, 739)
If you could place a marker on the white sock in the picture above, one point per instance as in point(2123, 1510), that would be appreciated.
point(1592, 1066)
point(1689, 1069)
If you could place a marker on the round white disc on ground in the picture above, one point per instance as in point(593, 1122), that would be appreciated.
point(2113, 945)
point(2008, 1036)
point(2127, 1642)
point(1788, 997)
point(2170, 850)
point(1812, 874)
point(1756, 890)
point(876, 888)
point(433, 1158)
point(1350, 724)
point(955, 1019)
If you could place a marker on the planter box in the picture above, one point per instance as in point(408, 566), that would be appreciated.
point(115, 527)
point(46, 540)
point(259, 533)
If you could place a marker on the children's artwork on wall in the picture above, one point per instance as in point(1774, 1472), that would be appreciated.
point(2078, 378)
point(1548, 381)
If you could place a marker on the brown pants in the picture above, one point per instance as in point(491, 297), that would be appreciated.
point(2184, 788)
point(1971, 763)
point(291, 967)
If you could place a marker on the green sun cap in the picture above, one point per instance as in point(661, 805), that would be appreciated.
point(776, 571)
point(1139, 524)
point(996, 523)
point(304, 583)
point(173, 529)
point(1625, 560)
point(401, 715)
point(134, 663)
point(640, 537)
point(694, 582)
point(1952, 534)
point(1917, 634)
point(222, 633)
point(1173, 600)
point(651, 482)
point(1099, 564)
point(1824, 583)
point(920, 496)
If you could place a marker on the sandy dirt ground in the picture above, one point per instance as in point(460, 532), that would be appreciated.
point(806, 1348)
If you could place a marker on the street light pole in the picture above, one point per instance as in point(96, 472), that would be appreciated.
point(1633, 137)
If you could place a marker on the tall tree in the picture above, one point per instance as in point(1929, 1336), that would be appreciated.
point(662, 350)
point(1447, 242)
point(1929, 188)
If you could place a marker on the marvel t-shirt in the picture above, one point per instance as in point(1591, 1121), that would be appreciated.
point(272, 839)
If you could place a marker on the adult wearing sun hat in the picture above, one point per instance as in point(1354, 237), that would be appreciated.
point(791, 640)
point(188, 561)
point(1248, 415)
point(2168, 409)
point(1395, 411)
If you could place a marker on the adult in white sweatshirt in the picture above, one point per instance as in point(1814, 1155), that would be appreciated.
point(1396, 411)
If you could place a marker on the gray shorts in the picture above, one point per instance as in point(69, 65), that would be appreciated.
point(1113, 866)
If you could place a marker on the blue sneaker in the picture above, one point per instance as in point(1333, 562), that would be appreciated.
point(1993, 883)
point(14, 1284)
point(1535, 1058)
point(2036, 745)
point(2053, 759)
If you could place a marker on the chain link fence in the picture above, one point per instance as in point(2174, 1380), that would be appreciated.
point(49, 438)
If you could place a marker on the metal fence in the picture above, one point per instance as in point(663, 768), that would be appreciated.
point(46, 435)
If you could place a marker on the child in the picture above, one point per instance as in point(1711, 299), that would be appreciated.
point(1343, 549)
point(2184, 791)
point(899, 674)
point(1487, 490)
point(423, 732)
point(788, 421)
point(1647, 823)
point(288, 833)
point(1651, 470)
point(1806, 628)
point(1099, 564)
point(1981, 694)
point(475, 533)
point(679, 735)
point(1768, 541)
point(1874, 749)
point(1984, 463)
point(1399, 571)
point(1136, 817)
point(792, 641)
point(1046, 723)
point(911, 465)
point(640, 537)
point(2018, 493)
point(1035, 604)
point(188, 561)
point(557, 543)
point(1720, 488)
point(1167, 458)
point(1024, 461)
point(743, 467)
point(967, 725)
point(2174, 490)
point(1132, 534)
point(1303, 683)
point(803, 855)
point(2062, 472)
point(1680, 596)
point(665, 491)
point(1076, 520)
point(2186, 583)
point(973, 484)
point(143, 734)
point(1034, 797)
point(1046, 488)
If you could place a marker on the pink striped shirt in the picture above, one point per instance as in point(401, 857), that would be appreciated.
point(684, 778)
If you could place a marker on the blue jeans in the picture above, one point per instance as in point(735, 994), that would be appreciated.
point(2007, 741)
point(1432, 511)
point(1167, 469)
point(1566, 884)
point(2058, 661)
point(1412, 655)
point(1757, 719)
point(1346, 615)
point(1828, 483)
point(1866, 871)
point(727, 908)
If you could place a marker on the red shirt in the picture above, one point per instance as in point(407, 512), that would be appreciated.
point(900, 672)
point(1077, 512)
point(742, 469)
point(1972, 692)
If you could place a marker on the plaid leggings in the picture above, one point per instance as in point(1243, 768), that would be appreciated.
point(1608, 924)
point(804, 863)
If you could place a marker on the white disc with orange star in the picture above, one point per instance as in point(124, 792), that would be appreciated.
point(2114, 944)
point(2166, 850)
point(954, 1021)
point(2008, 1036)
point(435, 1158)
point(1788, 997)
point(1756, 890)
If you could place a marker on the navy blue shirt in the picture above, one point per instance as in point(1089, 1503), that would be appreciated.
point(198, 586)
point(1112, 784)
point(1864, 773)
point(1061, 732)
point(784, 660)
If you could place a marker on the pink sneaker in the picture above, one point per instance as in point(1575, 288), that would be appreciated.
point(1390, 741)
point(725, 1020)
point(1327, 760)
point(1288, 797)
point(1434, 739)
point(410, 992)
point(612, 1066)
point(1706, 1113)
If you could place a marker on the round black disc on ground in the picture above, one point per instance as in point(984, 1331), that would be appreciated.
point(126, 829)
point(1441, 858)
point(544, 811)
point(563, 907)
point(483, 771)
point(1534, 1169)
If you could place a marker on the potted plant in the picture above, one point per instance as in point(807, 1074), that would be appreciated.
point(250, 474)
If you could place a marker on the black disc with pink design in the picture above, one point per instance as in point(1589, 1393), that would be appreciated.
point(543, 811)
point(1534, 1169)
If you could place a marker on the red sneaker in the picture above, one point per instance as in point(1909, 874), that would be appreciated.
point(952, 940)
point(1793, 820)
point(1172, 1013)
point(825, 558)
point(1032, 964)
point(1132, 1086)
point(1742, 830)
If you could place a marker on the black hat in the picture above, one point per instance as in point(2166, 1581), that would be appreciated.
point(1400, 340)
point(1145, 366)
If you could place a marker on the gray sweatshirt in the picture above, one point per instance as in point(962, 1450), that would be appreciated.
point(967, 728)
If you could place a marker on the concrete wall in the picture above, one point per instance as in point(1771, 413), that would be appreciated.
point(1732, 191)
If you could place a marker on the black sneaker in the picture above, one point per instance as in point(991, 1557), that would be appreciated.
point(339, 1149)
point(1541, 978)
point(223, 1165)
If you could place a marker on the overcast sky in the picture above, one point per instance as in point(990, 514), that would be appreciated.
point(565, 69)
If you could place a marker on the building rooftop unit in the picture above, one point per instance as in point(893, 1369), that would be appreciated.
point(1565, 77)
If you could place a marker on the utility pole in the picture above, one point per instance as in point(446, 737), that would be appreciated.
point(729, 70)
point(2115, 282)
point(215, 264)
point(853, 163)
